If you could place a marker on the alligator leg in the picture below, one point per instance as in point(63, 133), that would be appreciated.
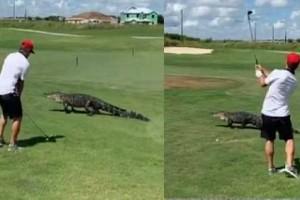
point(229, 123)
point(66, 107)
point(89, 108)
point(243, 124)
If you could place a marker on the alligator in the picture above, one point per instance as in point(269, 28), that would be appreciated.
point(242, 118)
point(91, 104)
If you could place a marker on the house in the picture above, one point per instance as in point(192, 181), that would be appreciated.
point(92, 18)
point(139, 16)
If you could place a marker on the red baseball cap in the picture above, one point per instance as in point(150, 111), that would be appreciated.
point(293, 59)
point(27, 44)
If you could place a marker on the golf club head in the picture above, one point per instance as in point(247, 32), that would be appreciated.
point(50, 138)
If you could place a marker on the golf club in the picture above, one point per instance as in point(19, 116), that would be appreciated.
point(251, 33)
point(48, 138)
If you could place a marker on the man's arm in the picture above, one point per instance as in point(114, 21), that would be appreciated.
point(19, 87)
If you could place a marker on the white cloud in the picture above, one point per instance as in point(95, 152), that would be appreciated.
point(190, 23)
point(279, 25)
point(224, 12)
point(19, 2)
point(201, 11)
point(60, 4)
point(295, 14)
point(273, 3)
point(220, 21)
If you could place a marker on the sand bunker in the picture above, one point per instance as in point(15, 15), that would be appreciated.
point(187, 50)
point(189, 82)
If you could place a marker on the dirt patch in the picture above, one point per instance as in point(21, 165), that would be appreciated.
point(190, 82)
point(187, 50)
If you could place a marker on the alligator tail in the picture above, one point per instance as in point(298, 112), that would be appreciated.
point(121, 112)
point(134, 115)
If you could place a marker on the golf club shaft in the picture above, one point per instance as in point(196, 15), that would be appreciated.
point(252, 40)
point(36, 125)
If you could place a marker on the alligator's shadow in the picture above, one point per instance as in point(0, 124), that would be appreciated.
point(28, 142)
point(239, 127)
point(98, 113)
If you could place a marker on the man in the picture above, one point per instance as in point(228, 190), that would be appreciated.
point(275, 110)
point(12, 78)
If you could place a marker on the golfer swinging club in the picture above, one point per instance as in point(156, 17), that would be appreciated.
point(275, 111)
point(12, 77)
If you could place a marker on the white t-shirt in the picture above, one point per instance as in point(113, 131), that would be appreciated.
point(282, 84)
point(14, 67)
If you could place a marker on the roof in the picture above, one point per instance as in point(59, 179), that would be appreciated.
point(134, 10)
point(92, 15)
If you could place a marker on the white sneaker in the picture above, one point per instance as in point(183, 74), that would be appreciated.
point(272, 171)
point(291, 171)
point(14, 147)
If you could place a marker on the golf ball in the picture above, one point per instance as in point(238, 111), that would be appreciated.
point(217, 140)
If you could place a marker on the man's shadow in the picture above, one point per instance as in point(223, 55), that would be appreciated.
point(28, 142)
point(297, 164)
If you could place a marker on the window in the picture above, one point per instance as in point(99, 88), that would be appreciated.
point(127, 15)
point(153, 16)
point(138, 15)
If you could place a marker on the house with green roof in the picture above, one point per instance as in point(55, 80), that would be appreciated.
point(139, 16)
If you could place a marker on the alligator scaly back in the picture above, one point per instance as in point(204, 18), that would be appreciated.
point(92, 105)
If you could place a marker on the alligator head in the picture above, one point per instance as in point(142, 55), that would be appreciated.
point(221, 115)
point(55, 96)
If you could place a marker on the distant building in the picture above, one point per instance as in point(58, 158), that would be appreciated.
point(139, 16)
point(92, 18)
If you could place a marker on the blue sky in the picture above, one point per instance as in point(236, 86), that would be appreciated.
point(71, 7)
point(227, 19)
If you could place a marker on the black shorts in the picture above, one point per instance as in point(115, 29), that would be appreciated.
point(11, 106)
point(270, 125)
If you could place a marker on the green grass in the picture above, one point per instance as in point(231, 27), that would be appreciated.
point(99, 157)
point(196, 165)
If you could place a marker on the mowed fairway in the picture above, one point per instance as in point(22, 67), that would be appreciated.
point(99, 157)
point(204, 159)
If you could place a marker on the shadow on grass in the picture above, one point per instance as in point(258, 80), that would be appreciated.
point(296, 131)
point(238, 127)
point(39, 139)
point(137, 117)
point(297, 164)
point(81, 112)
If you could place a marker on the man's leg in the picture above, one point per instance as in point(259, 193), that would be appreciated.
point(16, 127)
point(3, 121)
point(269, 152)
point(290, 152)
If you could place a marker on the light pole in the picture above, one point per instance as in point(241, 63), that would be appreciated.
point(181, 12)
point(14, 10)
